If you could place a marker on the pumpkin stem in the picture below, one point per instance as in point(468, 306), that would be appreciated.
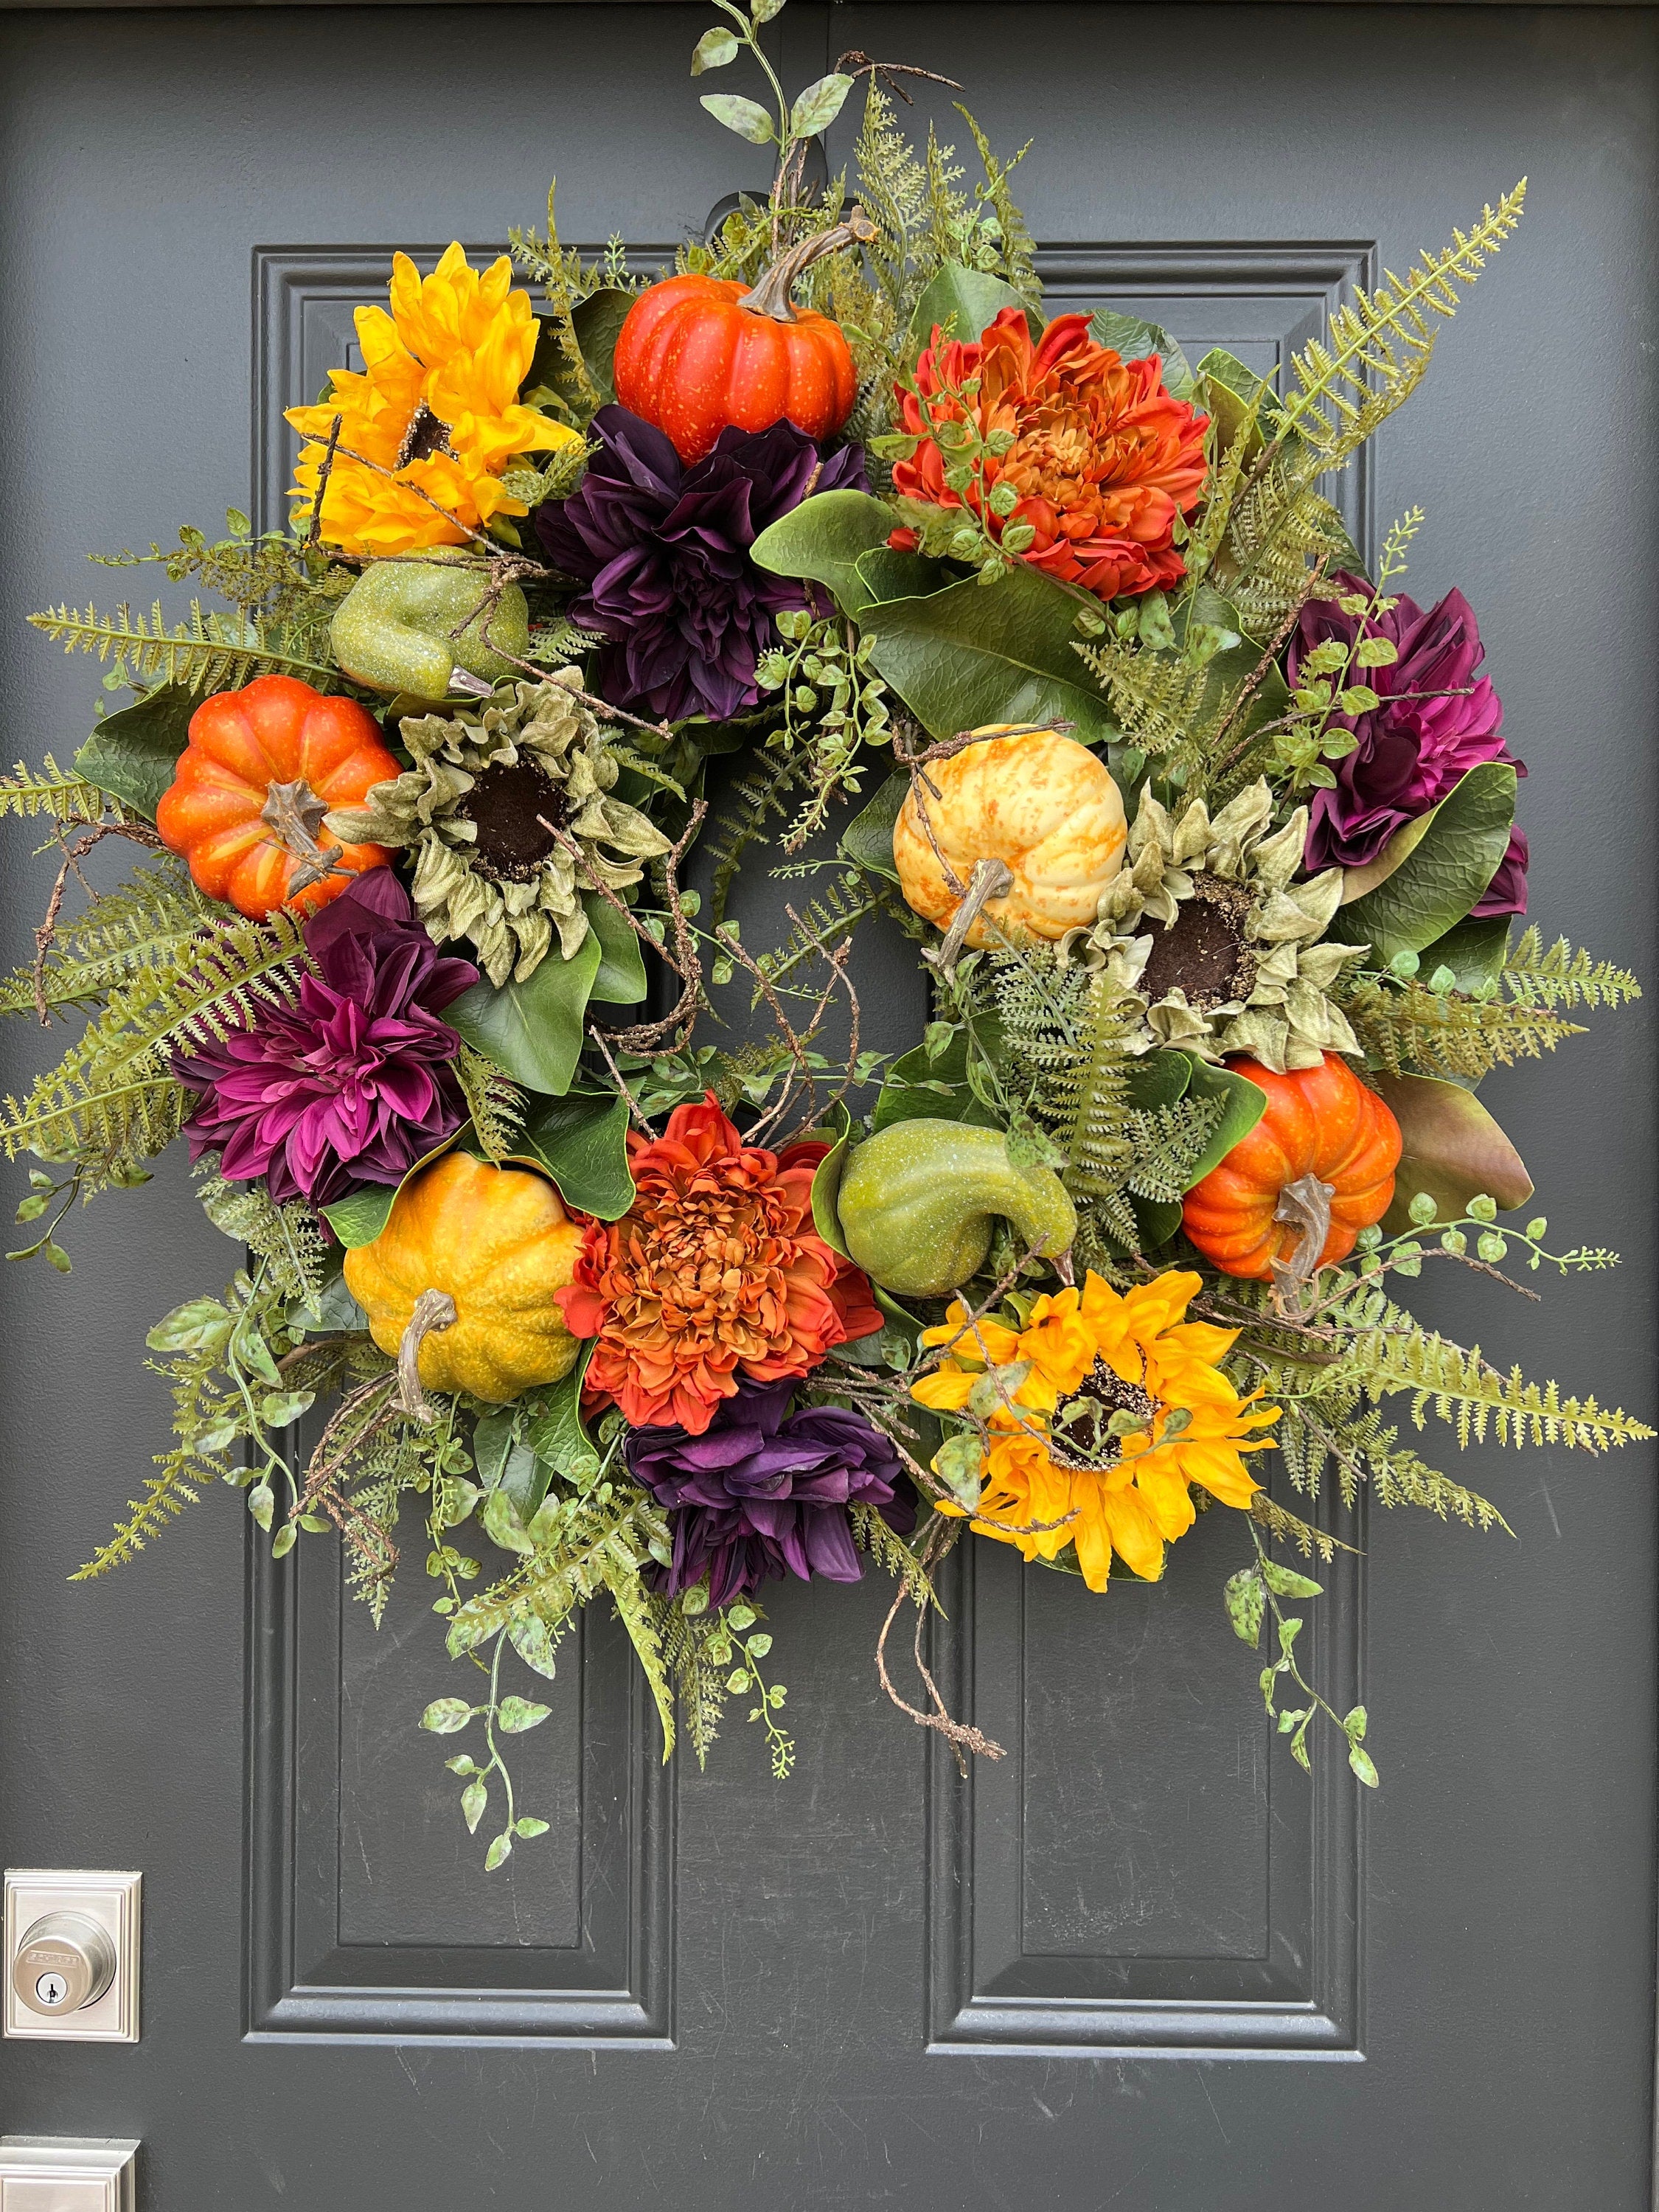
point(433, 1310)
point(294, 814)
point(992, 879)
point(1305, 1207)
point(769, 295)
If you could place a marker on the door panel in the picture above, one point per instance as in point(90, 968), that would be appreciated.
point(876, 1984)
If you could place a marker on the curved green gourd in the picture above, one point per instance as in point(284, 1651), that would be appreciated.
point(393, 629)
point(918, 1201)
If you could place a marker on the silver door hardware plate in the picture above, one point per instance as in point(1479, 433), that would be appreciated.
point(71, 1951)
point(64, 2173)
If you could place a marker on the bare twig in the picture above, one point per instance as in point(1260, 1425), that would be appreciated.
point(139, 833)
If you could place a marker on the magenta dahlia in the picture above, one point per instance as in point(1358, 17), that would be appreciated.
point(354, 1081)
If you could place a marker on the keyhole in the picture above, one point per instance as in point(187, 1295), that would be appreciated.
point(51, 1989)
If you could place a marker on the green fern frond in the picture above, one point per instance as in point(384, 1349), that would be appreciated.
point(1160, 699)
point(54, 790)
point(204, 1412)
point(699, 1680)
point(756, 797)
point(594, 1538)
point(638, 1616)
point(286, 1237)
point(1279, 526)
point(1564, 977)
point(1339, 1426)
point(1407, 1026)
point(495, 1102)
point(1377, 349)
point(1165, 1142)
point(1290, 1528)
point(206, 654)
point(890, 1551)
point(824, 922)
point(145, 923)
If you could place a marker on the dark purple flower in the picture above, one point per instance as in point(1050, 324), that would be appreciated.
point(756, 1495)
point(662, 549)
point(352, 1082)
point(1412, 750)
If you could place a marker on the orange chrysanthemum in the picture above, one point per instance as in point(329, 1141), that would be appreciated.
point(437, 405)
point(1102, 458)
point(716, 1268)
point(1092, 1449)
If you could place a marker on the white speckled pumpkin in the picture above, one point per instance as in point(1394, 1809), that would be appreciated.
point(1040, 803)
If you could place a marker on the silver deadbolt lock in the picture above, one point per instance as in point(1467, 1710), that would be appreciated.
point(64, 1961)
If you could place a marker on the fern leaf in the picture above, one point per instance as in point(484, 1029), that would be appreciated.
point(594, 1539)
point(286, 1237)
point(53, 791)
point(144, 924)
point(889, 1550)
point(1564, 977)
point(825, 921)
point(1408, 1026)
point(206, 653)
point(635, 1610)
point(495, 1102)
point(754, 798)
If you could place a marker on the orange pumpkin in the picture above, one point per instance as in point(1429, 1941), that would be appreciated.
point(699, 354)
point(1321, 1122)
point(263, 766)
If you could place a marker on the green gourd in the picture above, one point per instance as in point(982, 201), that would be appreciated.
point(404, 626)
point(918, 1200)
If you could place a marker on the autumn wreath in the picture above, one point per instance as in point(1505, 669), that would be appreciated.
point(1050, 654)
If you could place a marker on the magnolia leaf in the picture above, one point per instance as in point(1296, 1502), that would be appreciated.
point(1474, 952)
point(1455, 854)
point(1132, 339)
point(918, 1089)
point(746, 116)
point(558, 1437)
point(975, 653)
point(964, 302)
point(359, 1217)
point(1452, 1149)
point(826, 1180)
point(1246, 1103)
point(820, 541)
point(133, 754)
point(887, 575)
point(818, 106)
point(713, 50)
point(868, 840)
point(532, 1031)
point(619, 979)
point(580, 1141)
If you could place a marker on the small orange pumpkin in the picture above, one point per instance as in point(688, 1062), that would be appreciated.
point(1038, 801)
point(499, 1241)
point(700, 355)
point(263, 767)
point(1321, 1122)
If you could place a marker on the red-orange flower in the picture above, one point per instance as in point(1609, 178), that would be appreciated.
point(715, 1269)
point(1102, 459)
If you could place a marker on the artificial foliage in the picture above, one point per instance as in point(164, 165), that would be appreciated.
point(1047, 659)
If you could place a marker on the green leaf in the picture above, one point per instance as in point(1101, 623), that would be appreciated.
point(524, 1481)
point(1246, 1601)
point(975, 653)
point(887, 575)
point(1433, 870)
point(503, 1525)
point(619, 979)
point(284, 1541)
point(1132, 339)
point(580, 1141)
point(818, 106)
point(918, 1089)
point(501, 1850)
point(1473, 951)
point(713, 50)
point(532, 1031)
point(492, 1440)
point(1285, 1582)
point(1363, 1765)
point(596, 321)
point(278, 1407)
point(826, 1180)
point(823, 540)
point(474, 1798)
point(444, 1715)
point(359, 1217)
point(528, 1824)
point(531, 1638)
point(1246, 1103)
point(518, 1714)
point(868, 840)
point(198, 1325)
point(1452, 1149)
point(966, 301)
point(133, 754)
point(746, 116)
point(558, 1437)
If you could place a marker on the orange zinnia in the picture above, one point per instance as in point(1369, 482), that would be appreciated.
point(715, 1267)
point(1102, 458)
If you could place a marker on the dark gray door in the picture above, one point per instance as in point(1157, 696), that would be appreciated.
point(874, 1984)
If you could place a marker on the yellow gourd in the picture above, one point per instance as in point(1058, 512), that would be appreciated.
point(1041, 804)
point(499, 1242)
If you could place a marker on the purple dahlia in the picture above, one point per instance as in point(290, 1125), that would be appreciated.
point(1413, 747)
point(661, 547)
point(756, 1495)
point(354, 1081)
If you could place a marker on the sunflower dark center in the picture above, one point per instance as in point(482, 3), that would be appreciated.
point(428, 434)
point(1205, 953)
point(510, 806)
point(1081, 1431)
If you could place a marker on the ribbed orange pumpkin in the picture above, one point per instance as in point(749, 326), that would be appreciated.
point(699, 354)
point(1320, 1122)
point(246, 803)
point(499, 1241)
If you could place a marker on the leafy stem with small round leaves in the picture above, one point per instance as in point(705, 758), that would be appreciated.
point(1252, 1595)
point(512, 1715)
point(749, 1650)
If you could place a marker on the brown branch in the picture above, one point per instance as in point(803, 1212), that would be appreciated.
point(45, 935)
point(962, 1736)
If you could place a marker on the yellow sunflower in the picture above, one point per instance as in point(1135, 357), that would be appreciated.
point(437, 401)
point(1124, 1407)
